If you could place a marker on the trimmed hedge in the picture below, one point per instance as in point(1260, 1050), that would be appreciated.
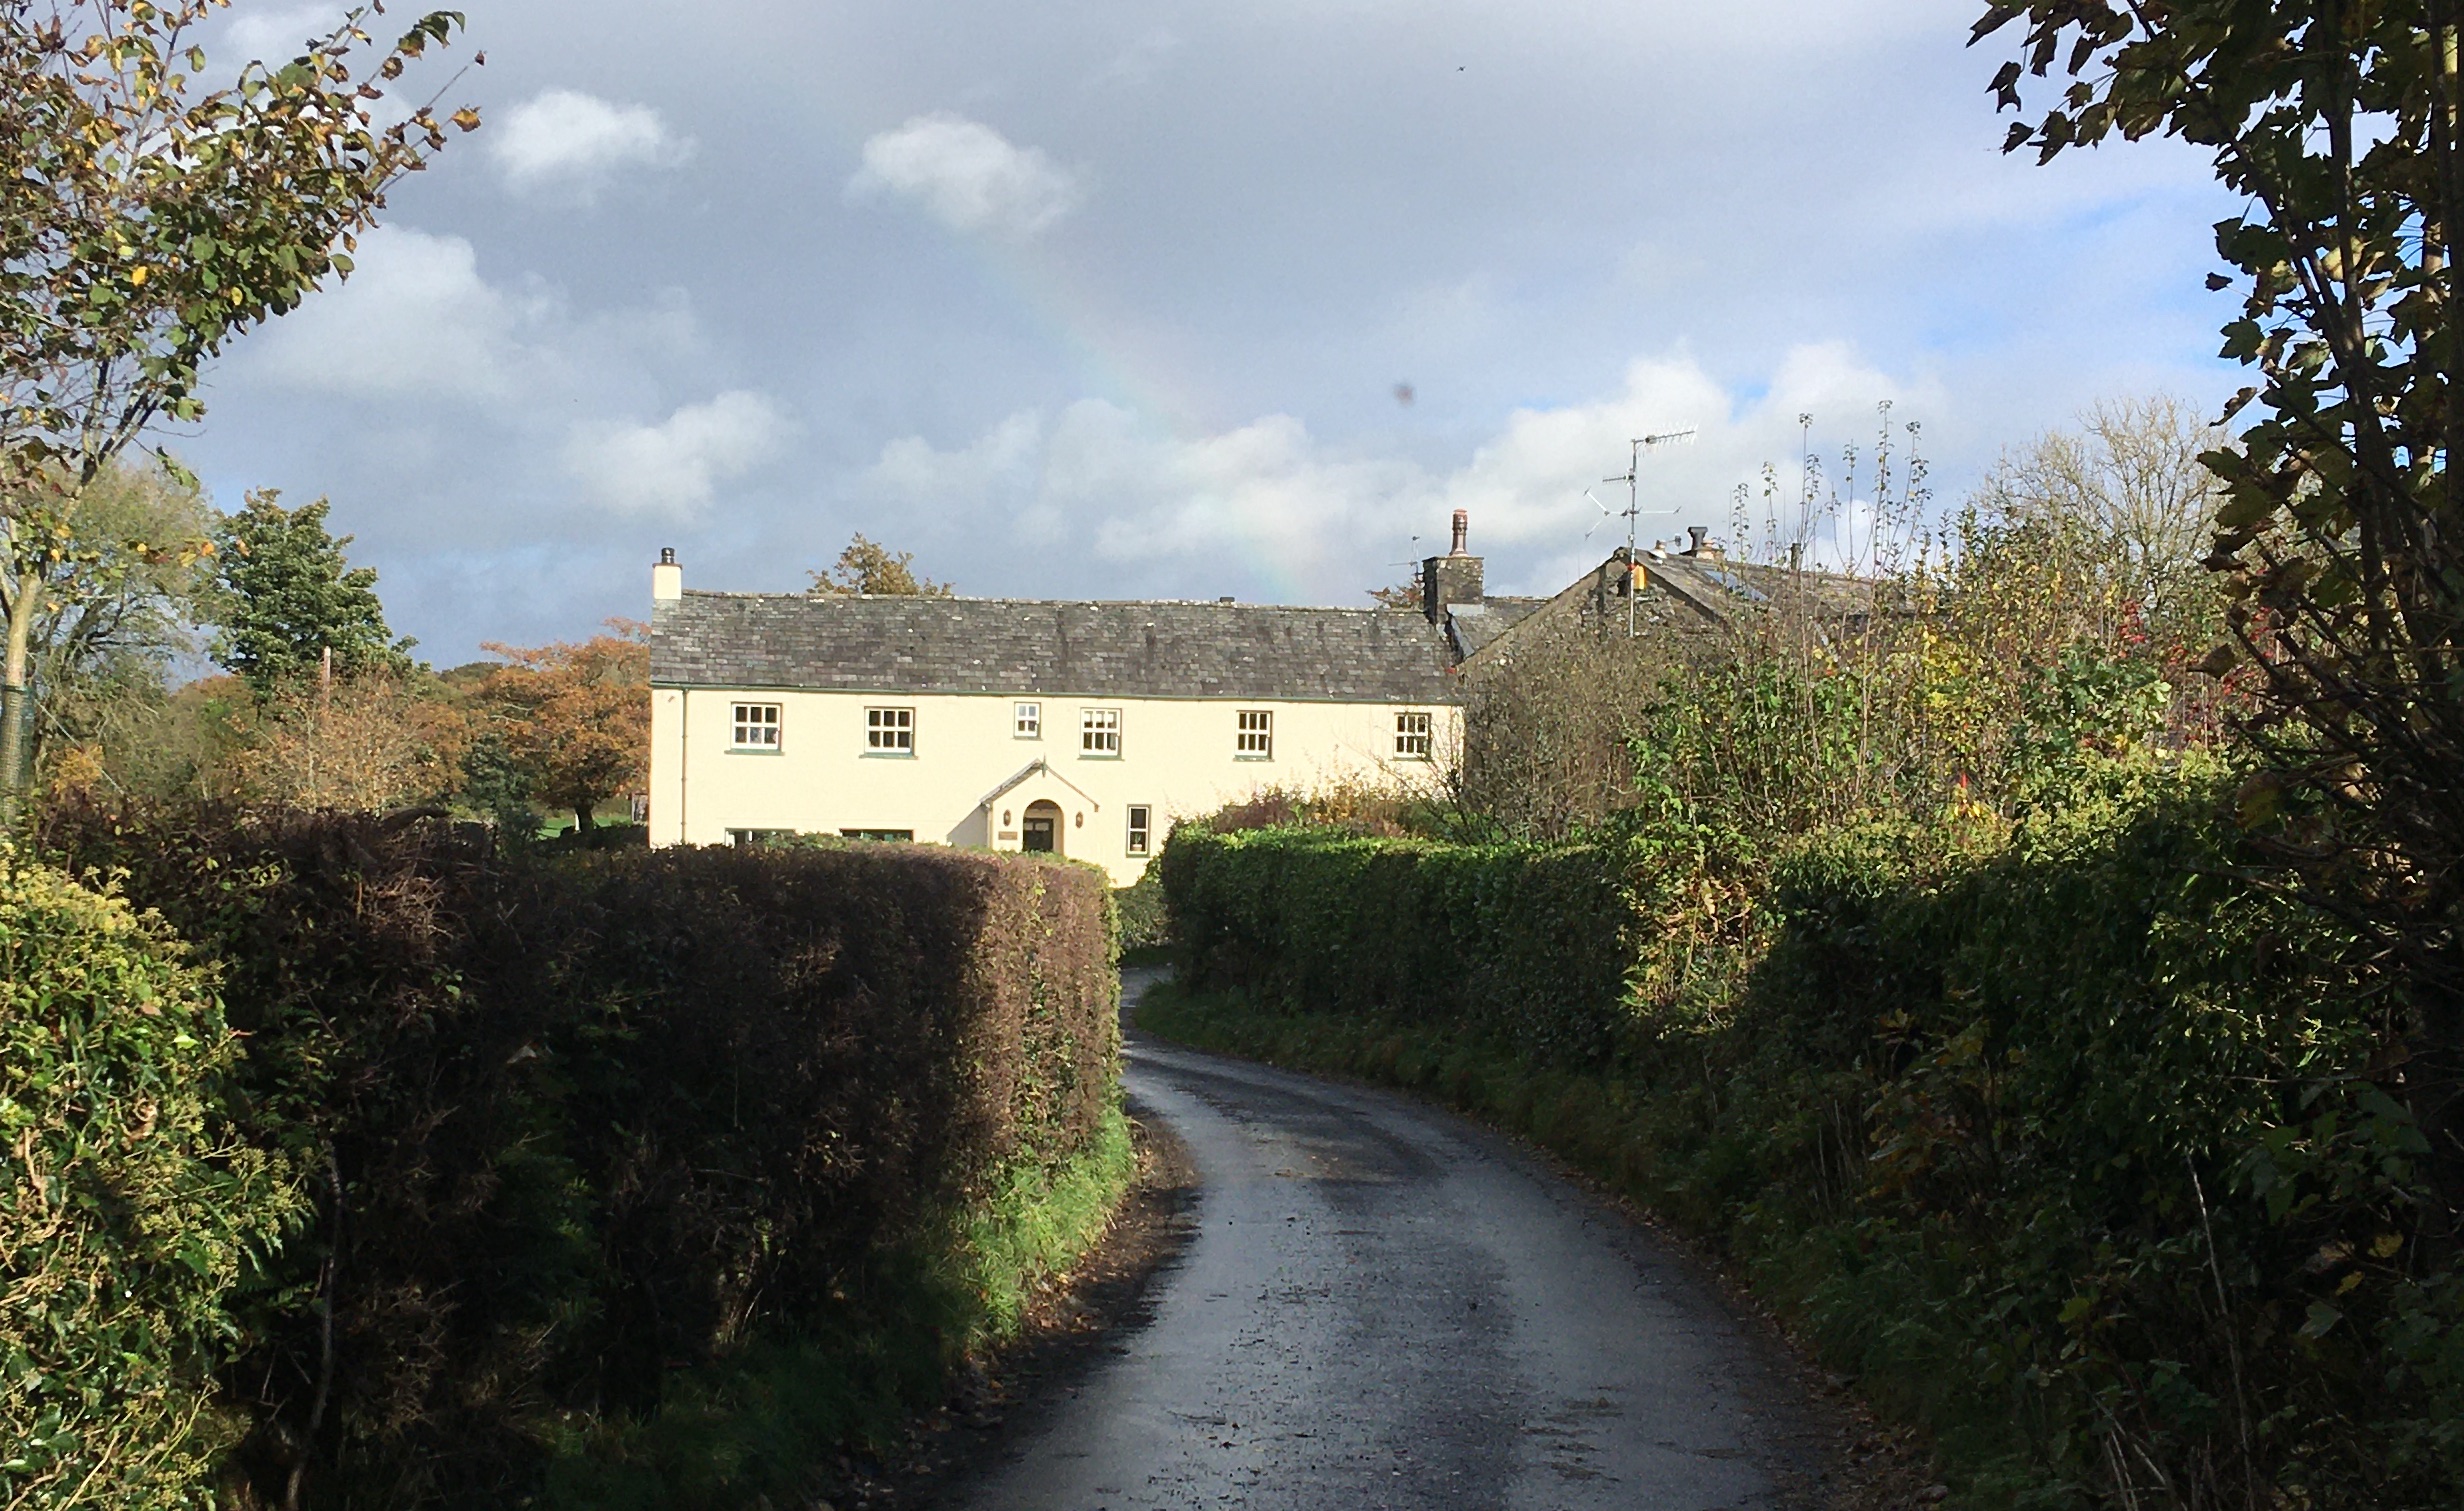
point(577, 1128)
point(2074, 1144)
point(1538, 940)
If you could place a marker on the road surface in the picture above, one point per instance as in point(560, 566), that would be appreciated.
point(1384, 1306)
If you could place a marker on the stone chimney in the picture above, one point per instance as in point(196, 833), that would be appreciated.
point(1452, 578)
point(667, 578)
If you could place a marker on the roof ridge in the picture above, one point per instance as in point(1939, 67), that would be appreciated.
point(1091, 603)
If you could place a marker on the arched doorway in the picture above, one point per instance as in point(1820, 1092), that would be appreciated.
point(1042, 829)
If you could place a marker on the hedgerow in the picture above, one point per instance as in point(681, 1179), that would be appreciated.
point(130, 1207)
point(583, 1133)
point(1538, 940)
point(2066, 1138)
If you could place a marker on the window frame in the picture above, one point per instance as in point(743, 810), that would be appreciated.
point(1253, 742)
point(1026, 720)
point(739, 726)
point(1094, 733)
point(878, 836)
point(1140, 836)
point(1415, 744)
point(884, 737)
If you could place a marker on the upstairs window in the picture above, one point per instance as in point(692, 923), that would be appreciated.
point(756, 726)
point(1256, 738)
point(1411, 737)
point(1099, 732)
point(1141, 828)
point(1027, 721)
point(889, 731)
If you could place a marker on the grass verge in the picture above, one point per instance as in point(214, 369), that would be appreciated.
point(753, 1428)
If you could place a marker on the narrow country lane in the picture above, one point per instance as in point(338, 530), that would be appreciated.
point(1384, 1306)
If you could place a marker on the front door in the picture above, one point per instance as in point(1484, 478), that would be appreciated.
point(1041, 831)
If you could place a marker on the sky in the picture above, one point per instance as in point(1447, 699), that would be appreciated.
point(1104, 300)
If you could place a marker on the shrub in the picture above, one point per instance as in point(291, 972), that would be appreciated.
point(2070, 1139)
point(1145, 925)
point(2124, 1132)
point(130, 1208)
point(1540, 938)
point(581, 1125)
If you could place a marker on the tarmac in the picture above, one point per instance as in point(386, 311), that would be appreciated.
point(1385, 1306)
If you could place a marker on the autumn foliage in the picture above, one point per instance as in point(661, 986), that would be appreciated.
point(574, 718)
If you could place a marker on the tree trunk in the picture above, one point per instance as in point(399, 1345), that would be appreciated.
point(17, 704)
point(585, 827)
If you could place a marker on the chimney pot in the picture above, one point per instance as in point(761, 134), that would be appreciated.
point(1453, 578)
point(1697, 534)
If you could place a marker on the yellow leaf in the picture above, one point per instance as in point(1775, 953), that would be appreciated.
point(2385, 1245)
point(137, 274)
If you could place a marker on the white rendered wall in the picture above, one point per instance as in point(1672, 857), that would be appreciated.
point(1178, 759)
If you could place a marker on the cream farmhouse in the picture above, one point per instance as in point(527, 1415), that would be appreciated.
point(1084, 729)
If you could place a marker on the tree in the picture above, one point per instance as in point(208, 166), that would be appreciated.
point(869, 567)
point(285, 598)
point(367, 743)
point(145, 221)
point(2132, 505)
point(2091, 539)
point(2340, 125)
point(116, 606)
point(1403, 595)
point(575, 719)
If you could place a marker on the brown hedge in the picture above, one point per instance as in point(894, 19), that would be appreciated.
point(582, 1121)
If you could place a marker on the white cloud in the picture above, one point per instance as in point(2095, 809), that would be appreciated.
point(414, 318)
point(565, 136)
point(967, 175)
point(674, 467)
point(277, 36)
point(1325, 518)
point(1007, 452)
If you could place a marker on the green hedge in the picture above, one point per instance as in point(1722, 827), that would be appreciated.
point(1540, 940)
point(130, 1209)
point(2127, 1150)
point(2075, 1143)
point(583, 1134)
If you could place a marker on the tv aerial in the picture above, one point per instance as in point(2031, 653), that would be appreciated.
point(1634, 510)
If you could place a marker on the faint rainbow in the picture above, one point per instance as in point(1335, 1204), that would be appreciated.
point(1038, 288)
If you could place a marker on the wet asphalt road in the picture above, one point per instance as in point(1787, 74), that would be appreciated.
point(1384, 1306)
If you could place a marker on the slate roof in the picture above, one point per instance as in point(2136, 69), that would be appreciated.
point(1477, 624)
point(856, 643)
point(1685, 597)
